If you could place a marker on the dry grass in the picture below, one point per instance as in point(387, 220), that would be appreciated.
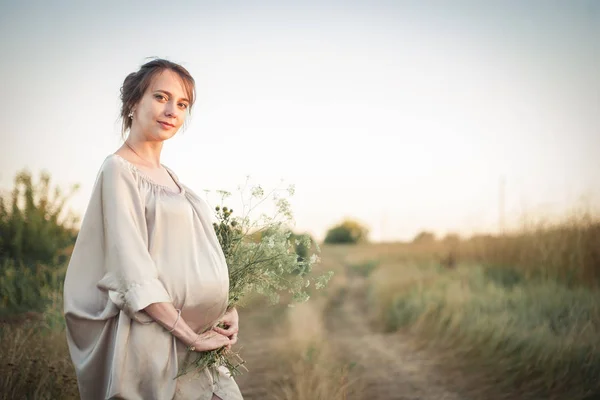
point(35, 363)
point(524, 307)
point(567, 250)
point(534, 335)
point(309, 367)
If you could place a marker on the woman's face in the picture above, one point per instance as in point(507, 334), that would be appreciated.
point(162, 109)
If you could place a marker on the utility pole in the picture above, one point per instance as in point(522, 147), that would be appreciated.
point(501, 194)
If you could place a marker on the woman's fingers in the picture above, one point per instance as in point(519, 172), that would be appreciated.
point(233, 339)
point(224, 338)
point(210, 340)
point(220, 331)
point(226, 332)
point(232, 334)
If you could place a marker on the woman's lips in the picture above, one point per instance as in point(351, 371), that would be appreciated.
point(166, 125)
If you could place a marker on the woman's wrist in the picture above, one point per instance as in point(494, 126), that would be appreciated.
point(184, 333)
point(172, 320)
point(176, 321)
point(192, 345)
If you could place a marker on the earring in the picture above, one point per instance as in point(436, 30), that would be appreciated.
point(131, 115)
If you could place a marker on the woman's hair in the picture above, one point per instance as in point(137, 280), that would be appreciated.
point(136, 84)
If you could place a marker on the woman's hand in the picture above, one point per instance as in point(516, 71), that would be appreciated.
point(168, 317)
point(210, 340)
point(231, 323)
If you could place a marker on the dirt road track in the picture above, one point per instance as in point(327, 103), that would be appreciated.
point(388, 366)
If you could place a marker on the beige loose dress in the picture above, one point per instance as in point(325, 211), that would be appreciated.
point(142, 243)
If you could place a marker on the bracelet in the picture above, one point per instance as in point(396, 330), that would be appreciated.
point(176, 320)
point(191, 347)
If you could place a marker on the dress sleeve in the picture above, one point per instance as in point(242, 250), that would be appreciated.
point(131, 276)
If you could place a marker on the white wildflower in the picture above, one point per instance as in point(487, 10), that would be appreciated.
point(257, 191)
point(291, 189)
point(259, 251)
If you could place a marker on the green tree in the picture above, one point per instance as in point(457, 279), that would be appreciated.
point(34, 226)
point(349, 231)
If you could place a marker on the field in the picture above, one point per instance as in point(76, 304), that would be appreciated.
point(397, 324)
point(397, 321)
point(394, 323)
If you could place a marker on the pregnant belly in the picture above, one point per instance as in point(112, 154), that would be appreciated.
point(202, 306)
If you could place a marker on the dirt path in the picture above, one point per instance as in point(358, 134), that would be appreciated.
point(255, 346)
point(387, 366)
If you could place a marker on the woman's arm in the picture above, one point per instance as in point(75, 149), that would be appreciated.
point(166, 315)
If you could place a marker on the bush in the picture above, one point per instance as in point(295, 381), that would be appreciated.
point(27, 289)
point(33, 227)
point(303, 244)
point(36, 236)
point(349, 231)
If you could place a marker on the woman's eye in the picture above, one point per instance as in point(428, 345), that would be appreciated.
point(183, 105)
point(160, 97)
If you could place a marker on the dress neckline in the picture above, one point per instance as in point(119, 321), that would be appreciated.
point(145, 176)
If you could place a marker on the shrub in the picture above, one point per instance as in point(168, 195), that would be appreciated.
point(303, 243)
point(349, 232)
point(34, 227)
point(36, 236)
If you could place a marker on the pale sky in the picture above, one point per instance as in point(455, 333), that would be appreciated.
point(403, 115)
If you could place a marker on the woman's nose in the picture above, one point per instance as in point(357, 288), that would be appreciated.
point(171, 110)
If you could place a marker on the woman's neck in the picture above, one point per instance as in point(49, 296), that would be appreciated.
point(144, 150)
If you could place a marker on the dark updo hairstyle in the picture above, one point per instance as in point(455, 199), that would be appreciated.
point(136, 84)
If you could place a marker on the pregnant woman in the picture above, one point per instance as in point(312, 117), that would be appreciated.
point(147, 281)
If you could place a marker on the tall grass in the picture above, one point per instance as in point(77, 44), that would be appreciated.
point(309, 368)
point(567, 250)
point(538, 336)
point(525, 308)
point(35, 363)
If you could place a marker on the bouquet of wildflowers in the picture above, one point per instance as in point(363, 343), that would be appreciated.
point(264, 257)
